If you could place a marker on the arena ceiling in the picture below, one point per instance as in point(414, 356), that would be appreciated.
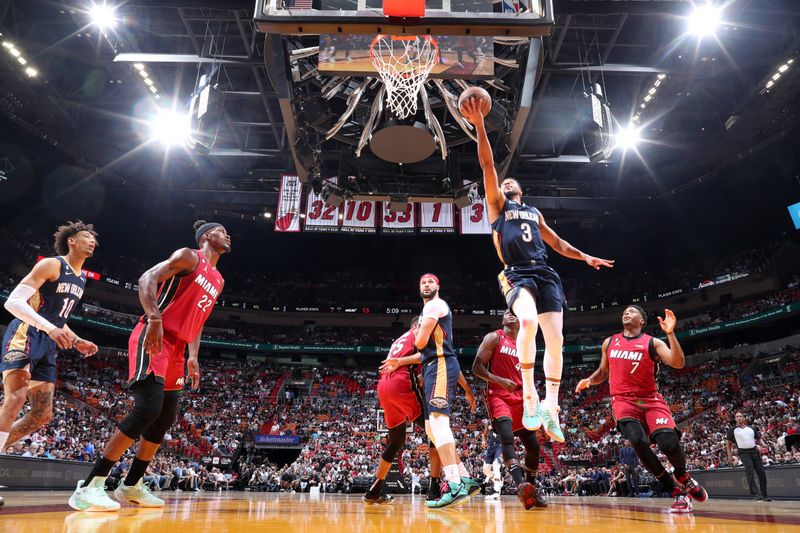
point(711, 107)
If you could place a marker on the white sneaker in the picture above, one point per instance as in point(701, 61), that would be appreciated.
point(92, 497)
point(493, 496)
point(138, 494)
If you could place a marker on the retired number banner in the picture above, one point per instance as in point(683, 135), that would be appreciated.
point(402, 222)
point(319, 215)
point(437, 218)
point(475, 217)
point(359, 216)
point(288, 217)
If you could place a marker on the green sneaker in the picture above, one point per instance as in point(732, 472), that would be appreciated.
point(92, 497)
point(138, 494)
point(451, 495)
point(473, 487)
point(552, 426)
point(531, 418)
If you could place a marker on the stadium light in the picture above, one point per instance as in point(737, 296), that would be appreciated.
point(103, 16)
point(170, 128)
point(629, 137)
point(704, 20)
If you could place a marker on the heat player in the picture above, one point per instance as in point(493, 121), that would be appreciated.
point(400, 396)
point(177, 296)
point(531, 288)
point(498, 365)
point(629, 361)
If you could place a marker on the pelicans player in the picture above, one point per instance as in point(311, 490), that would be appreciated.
point(629, 361)
point(177, 296)
point(532, 289)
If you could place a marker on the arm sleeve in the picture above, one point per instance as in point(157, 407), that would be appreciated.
point(17, 305)
point(436, 308)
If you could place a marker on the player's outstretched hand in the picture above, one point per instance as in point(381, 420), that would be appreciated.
point(154, 337)
point(596, 262)
point(62, 338)
point(583, 384)
point(87, 348)
point(668, 322)
point(194, 373)
point(471, 110)
point(388, 366)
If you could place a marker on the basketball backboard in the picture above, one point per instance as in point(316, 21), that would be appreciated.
point(499, 18)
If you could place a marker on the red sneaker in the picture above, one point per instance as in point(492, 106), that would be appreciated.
point(695, 489)
point(682, 504)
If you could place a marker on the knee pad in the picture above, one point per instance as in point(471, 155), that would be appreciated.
point(169, 413)
point(634, 432)
point(148, 397)
point(440, 429)
point(397, 439)
point(667, 442)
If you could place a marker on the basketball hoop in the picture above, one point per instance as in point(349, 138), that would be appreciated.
point(404, 63)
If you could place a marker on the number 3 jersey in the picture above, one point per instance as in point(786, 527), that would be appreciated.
point(56, 300)
point(186, 301)
point(516, 235)
point(632, 365)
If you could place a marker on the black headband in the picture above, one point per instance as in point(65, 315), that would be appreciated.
point(203, 229)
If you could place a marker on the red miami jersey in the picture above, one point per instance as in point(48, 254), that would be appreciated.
point(505, 364)
point(401, 347)
point(186, 302)
point(632, 366)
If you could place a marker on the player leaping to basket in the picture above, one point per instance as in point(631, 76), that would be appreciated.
point(532, 289)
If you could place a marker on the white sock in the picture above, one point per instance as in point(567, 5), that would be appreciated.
point(498, 486)
point(462, 470)
point(551, 399)
point(3, 439)
point(528, 386)
point(451, 474)
point(496, 470)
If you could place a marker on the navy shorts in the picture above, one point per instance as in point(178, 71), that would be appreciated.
point(493, 453)
point(24, 345)
point(543, 282)
point(440, 378)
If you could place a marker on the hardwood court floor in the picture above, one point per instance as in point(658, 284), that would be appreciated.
point(290, 513)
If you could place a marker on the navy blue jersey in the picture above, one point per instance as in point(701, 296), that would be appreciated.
point(494, 440)
point(56, 300)
point(516, 235)
point(440, 343)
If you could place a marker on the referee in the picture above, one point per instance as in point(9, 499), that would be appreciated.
point(746, 440)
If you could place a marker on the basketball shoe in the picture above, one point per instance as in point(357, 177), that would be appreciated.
point(683, 504)
point(138, 494)
point(549, 417)
point(530, 496)
point(379, 498)
point(92, 497)
point(695, 489)
point(434, 492)
point(452, 494)
point(473, 487)
point(531, 418)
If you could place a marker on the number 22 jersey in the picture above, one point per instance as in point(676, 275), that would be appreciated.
point(186, 301)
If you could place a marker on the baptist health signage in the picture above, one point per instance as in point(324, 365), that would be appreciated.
point(782, 482)
point(32, 473)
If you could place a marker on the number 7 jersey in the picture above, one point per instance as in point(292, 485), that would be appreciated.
point(186, 301)
point(632, 366)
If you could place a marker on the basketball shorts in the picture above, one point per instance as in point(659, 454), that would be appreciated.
point(440, 384)
point(493, 453)
point(401, 400)
point(506, 407)
point(542, 281)
point(652, 412)
point(168, 366)
point(26, 346)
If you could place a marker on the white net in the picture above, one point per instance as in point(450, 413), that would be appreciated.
point(404, 63)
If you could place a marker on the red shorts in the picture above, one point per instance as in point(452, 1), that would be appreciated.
point(652, 412)
point(169, 366)
point(506, 406)
point(399, 401)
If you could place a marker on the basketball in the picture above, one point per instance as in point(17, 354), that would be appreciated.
point(479, 93)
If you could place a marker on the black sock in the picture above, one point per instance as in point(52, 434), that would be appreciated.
point(666, 480)
point(531, 469)
point(136, 472)
point(516, 472)
point(680, 472)
point(376, 486)
point(435, 485)
point(101, 468)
